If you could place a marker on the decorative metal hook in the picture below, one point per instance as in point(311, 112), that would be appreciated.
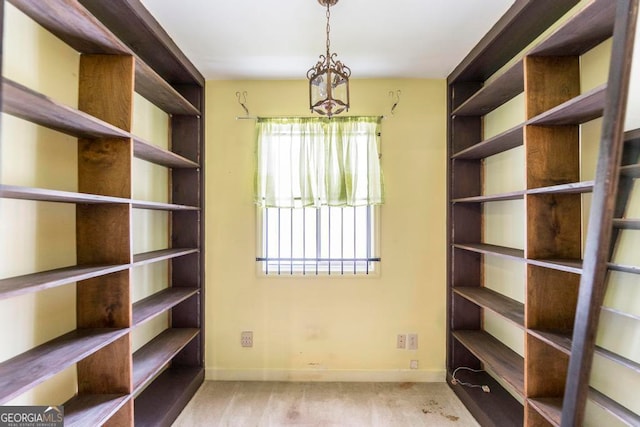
point(242, 100)
point(395, 98)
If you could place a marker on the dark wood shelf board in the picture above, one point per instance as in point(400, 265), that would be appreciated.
point(157, 206)
point(160, 255)
point(501, 251)
point(144, 150)
point(19, 285)
point(22, 372)
point(614, 408)
point(132, 23)
point(71, 23)
point(149, 360)
point(631, 269)
point(578, 110)
point(45, 195)
point(549, 407)
point(620, 360)
point(77, 27)
point(498, 357)
point(627, 223)
point(494, 94)
point(516, 29)
point(496, 409)
point(22, 102)
point(506, 307)
point(632, 171)
point(163, 400)
point(92, 409)
point(632, 136)
point(514, 195)
point(561, 341)
point(584, 31)
point(507, 140)
point(621, 313)
point(160, 302)
point(571, 188)
point(155, 89)
point(568, 265)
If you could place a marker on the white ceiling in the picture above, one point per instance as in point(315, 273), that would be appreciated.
point(281, 39)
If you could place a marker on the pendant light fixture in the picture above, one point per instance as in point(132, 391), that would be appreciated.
point(329, 79)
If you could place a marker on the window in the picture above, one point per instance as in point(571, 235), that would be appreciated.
point(318, 184)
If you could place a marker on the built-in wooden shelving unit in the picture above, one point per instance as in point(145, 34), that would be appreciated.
point(548, 76)
point(123, 50)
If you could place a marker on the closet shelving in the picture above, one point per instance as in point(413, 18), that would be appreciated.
point(120, 54)
point(530, 387)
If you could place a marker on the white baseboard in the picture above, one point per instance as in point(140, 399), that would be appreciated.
point(405, 375)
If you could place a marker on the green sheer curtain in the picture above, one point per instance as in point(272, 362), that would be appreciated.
point(303, 162)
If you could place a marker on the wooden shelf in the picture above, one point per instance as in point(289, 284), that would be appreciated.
point(581, 109)
point(501, 251)
point(160, 255)
point(614, 408)
point(507, 140)
point(549, 407)
point(149, 360)
point(632, 171)
point(498, 357)
point(144, 150)
point(632, 136)
point(571, 188)
point(514, 195)
point(559, 340)
point(506, 307)
point(170, 391)
point(27, 104)
point(45, 195)
point(78, 28)
point(587, 29)
point(497, 408)
point(157, 206)
point(493, 95)
point(621, 313)
point(19, 285)
point(568, 265)
point(92, 409)
point(519, 26)
point(22, 372)
point(160, 302)
point(620, 360)
point(155, 89)
point(627, 223)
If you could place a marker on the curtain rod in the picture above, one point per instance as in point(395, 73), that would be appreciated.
point(286, 117)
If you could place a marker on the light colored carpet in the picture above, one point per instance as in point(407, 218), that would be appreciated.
point(244, 404)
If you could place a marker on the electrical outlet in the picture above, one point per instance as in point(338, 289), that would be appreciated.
point(246, 339)
point(413, 364)
point(412, 341)
point(401, 341)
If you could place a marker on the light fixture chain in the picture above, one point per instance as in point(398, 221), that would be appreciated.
point(328, 27)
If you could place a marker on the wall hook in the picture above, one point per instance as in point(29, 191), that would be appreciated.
point(395, 98)
point(242, 100)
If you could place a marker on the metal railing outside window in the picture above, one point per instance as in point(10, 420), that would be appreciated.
point(314, 241)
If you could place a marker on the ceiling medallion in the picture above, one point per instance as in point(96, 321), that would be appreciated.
point(329, 79)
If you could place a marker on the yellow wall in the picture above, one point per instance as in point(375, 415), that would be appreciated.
point(334, 328)
point(38, 236)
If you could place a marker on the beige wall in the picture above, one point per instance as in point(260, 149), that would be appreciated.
point(334, 328)
point(37, 236)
